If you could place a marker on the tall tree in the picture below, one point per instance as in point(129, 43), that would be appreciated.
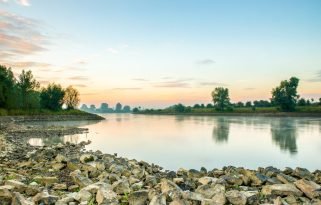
point(118, 107)
point(52, 97)
point(7, 84)
point(221, 98)
point(71, 98)
point(285, 95)
point(28, 86)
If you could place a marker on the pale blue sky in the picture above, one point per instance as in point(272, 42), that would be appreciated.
point(156, 53)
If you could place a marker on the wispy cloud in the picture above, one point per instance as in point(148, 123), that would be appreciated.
point(140, 79)
point(20, 36)
point(179, 83)
point(317, 77)
point(212, 84)
point(20, 2)
point(205, 62)
point(128, 88)
point(112, 50)
point(78, 78)
point(28, 64)
point(249, 88)
point(79, 85)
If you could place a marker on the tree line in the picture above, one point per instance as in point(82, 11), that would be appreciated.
point(25, 92)
point(284, 97)
point(104, 108)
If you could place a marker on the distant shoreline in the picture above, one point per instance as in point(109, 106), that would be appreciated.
point(276, 114)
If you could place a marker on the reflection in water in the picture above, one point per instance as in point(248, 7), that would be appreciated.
point(284, 134)
point(221, 130)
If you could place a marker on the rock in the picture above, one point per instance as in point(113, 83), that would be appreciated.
point(285, 178)
point(236, 197)
point(193, 173)
point(170, 189)
point(106, 197)
point(219, 199)
point(46, 180)
point(209, 190)
point(61, 158)
point(302, 173)
point(83, 196)
point(179, 202)
point(86, 158)
point(73, 165)
point(193, 196)
point(18, 186)
point(207, 180)
point(58, 166)
point(79, 179)
point(233, 179)
point(258, 179)
point(158, 200)
point(121, 187)
point(59, 187)
point(18, 199)
point(138, 197)
point(5, 195)
point(281, 190)
point(93, 188)
point(45, 198)
point(309, 188)
point(252, 197)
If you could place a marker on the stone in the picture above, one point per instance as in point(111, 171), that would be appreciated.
point(207, 180)
point(106, 196)
point(18, 186)
point(121, 187)
point(59, 187)
point(18, 199)
point(179, 202)
point(281, 190)
point(236, 197)
point(233, 179)
point(193, 173)
point(45, 198)
point(61, 158)
point(138, 197)
point(302, 173)
point(86, 158)
point(193, 196)
point(252, 197)
point(46, 180)
point(219, 199)
point(158, 200)
point(168, 186)
point(79, 179)
point(5, 195)
point(58, 166)
point(209, 190)
point(285, 178)
point(83, 196)
point(73, 165)
point(309, 188)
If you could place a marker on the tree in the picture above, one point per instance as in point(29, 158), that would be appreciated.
point(118, 107)
point(240, 104)
point(84, 107)
point(319, 101)
point(302, 102)
point(221, 98)
point(126, 108)
point(248, 104)
point(285, 96)
point(7, 85)
point(209, 105)
point(52, 97)
point(28, 86)
point(71, 98)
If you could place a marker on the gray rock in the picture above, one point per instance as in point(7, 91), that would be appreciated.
point(18, 199)
point(121, 187)
point(138, 197)
point(209, 190)
point(158, 200)
point(236, 197)
point(18, 186)
point(281, 190)
point(106, 197)
point(45, 198)
point(309, 188)
point(79, 179)
point(87, 158)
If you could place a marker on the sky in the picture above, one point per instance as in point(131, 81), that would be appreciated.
point(156, 53)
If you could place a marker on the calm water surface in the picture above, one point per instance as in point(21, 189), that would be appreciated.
point(196, 141)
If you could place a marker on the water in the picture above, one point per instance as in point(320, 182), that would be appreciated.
point(209, 141)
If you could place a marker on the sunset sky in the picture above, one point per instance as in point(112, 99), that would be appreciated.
point(156, 53)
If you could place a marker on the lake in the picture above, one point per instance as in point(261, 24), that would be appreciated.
point(208, 141)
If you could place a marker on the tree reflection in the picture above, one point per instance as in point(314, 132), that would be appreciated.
point(284, 134)
point(221, 130)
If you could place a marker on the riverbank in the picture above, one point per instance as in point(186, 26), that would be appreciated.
point(69, 174)
point(237, 114)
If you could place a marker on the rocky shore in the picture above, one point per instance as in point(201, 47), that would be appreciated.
point(67, 174)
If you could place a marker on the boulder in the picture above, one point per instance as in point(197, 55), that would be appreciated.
point(209, 190)
point(158, 200)
point(18, 186)
point(138, 197)
point(79, 179)
point(309, 188)
point(236, 197)
point(18, 199)
point(281, 190)
point(45, 198)
point(106, 196)
point(87, 158)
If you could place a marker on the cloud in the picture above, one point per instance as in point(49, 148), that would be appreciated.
point(79, 85)
point(20, 2)
point(28, 64)
point(249, 88)
point(140, 79)
point(80, 78)
point(20, 36)
point(205, 62)
point(112, 50)
point(129, 88)
point(317, 77)
point(180, 83)
point(212, 84)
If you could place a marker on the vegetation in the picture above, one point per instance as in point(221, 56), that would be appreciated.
point(104, 108)
point(221, 98)
point(23, 96)
point(284, 98)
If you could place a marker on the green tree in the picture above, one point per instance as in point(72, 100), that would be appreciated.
point(285, 96)
point(179, 108)
point(302, 102)
point(7, 86)
point(28, 87)
point(221, 98)
point(319, 101)
point(52, 97)
point(71, 98)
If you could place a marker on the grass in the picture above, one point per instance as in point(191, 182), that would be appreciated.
point(16, 112)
